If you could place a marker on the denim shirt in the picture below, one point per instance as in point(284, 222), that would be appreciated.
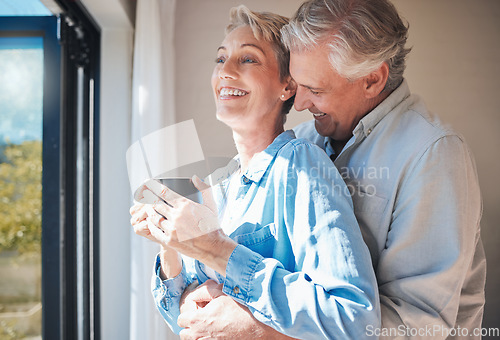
point(416, 197)
point(301, 265)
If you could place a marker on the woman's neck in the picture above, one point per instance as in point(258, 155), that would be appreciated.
point(250, 142)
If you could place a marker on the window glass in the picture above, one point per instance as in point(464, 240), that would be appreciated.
point(23, 7)
point(21, 100)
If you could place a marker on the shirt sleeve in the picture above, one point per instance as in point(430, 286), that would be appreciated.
point(332, 291)
point(167, 294)
point(431, 244)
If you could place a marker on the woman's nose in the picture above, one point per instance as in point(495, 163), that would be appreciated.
point(302, 101)
point(228, 70)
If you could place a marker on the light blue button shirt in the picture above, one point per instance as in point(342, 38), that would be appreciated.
point(416, 197)
point(301, 265)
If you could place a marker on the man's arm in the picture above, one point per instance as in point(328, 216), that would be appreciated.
point(432, 241)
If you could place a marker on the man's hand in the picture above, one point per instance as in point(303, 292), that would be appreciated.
point(221, 317)
point(195, 297)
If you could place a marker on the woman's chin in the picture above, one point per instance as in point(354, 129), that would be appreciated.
point(228, 118)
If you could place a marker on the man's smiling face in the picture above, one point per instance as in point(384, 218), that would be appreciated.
point(336, 103)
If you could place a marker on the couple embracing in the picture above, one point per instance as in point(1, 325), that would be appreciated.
point(280, 251)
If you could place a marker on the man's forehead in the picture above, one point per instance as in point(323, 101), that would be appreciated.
point(306, 71)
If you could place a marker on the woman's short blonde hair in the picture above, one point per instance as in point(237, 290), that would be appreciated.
point(265, 26)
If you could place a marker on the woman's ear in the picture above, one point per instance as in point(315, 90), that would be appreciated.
point(289, 90)
point(375, 82)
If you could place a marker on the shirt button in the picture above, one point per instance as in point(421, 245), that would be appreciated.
point(368, 132)
point(245, 180)
point(236, 290)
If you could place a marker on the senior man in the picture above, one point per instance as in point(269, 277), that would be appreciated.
point(413, 180)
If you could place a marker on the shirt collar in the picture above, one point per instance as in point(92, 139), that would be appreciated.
point(368, 122)
point(261, 161)
point(366, 125)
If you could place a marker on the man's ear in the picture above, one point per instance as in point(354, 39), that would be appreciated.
point(375, 82)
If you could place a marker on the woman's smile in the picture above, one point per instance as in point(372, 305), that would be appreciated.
point(227, 93)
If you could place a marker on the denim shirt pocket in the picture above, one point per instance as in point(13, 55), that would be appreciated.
point(261, 241)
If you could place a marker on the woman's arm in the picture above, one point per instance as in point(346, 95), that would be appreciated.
point(171, 264)
point(167, 293)
point(170, 278)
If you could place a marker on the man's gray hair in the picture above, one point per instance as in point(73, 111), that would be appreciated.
point(362, 34)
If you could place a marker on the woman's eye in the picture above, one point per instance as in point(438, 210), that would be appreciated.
point(219, 60)
point(248, 60)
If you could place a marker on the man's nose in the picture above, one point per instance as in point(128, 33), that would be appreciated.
point(302, 101)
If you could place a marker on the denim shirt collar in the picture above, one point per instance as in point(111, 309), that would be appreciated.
point(261, 161)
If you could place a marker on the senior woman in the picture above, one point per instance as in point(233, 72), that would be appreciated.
point(280, 234)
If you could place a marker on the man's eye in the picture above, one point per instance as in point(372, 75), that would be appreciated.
point(314, 92)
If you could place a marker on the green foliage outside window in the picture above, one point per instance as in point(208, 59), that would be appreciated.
point(21, 197)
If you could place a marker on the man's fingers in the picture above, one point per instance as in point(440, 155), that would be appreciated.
point(185, 304)
point(186, 319)
point(206, 292)
point(190, 334)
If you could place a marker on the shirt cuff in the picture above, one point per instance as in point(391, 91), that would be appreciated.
point(164, 290)
point(240, 272)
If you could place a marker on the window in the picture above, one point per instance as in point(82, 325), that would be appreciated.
point(66, 142)
point(21, 93)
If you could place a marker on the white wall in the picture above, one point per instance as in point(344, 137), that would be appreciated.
point(115, 230)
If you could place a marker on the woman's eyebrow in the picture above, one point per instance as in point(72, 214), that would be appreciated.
point(244, 45)
point(253, 45)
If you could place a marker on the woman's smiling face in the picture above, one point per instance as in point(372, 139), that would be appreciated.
point(246, 81)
